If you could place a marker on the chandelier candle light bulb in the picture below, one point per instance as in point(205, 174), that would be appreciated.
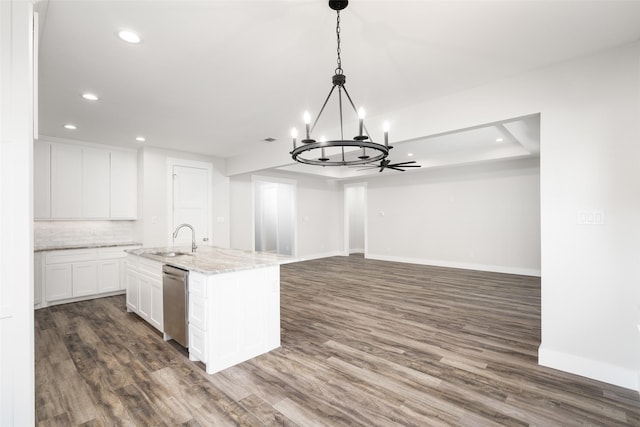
point(360, 121)
point(307, 122)
point(323, 157)
point(294, 135)
point(385, 129)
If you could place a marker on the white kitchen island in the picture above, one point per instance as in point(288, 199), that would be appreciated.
point(234, 300)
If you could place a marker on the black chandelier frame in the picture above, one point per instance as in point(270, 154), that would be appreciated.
point(307, 152)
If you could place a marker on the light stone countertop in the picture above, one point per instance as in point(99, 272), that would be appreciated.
point(211, 259)
point(87, 245)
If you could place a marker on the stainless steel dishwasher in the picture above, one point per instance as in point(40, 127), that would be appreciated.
point(175, 304)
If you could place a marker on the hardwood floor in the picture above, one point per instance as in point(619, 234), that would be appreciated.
point(363, 343)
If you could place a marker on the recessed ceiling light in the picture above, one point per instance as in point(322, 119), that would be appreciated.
point(70, 126)
point(410, 154)
point(89, 96)
point(499, 139)
point(140, 138)
point(129, 36)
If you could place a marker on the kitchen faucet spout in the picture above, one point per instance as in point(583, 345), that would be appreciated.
point(193, 235)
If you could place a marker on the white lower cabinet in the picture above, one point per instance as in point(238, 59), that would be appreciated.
point(144, 299)
point(132, 289)
point(63, 276)
point(155, 316)
point(38, 278)
point(233, 316)
point(84, 279)
point(109, 275)
point(144, 289)
point(58, 282)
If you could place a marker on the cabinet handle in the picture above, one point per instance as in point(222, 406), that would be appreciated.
point(205, 239)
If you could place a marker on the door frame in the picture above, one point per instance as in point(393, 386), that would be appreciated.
point(171, 162)
point(255, 180)
point(347, 249)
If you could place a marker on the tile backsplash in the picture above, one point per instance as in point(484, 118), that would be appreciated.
point(60, 233)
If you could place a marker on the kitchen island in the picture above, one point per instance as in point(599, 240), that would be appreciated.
point(233, 299)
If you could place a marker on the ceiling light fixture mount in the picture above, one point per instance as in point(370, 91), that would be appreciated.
point(307, 152)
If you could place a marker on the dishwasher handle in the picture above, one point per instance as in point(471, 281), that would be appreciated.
point(171, 271)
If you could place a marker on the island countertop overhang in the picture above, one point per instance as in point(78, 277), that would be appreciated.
point(211, 259)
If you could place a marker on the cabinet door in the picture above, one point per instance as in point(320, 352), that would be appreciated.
point(156, 317)
point(123, 274)
point(38, 277)
point(85, 278)
point(42, 180)
point(66, 181)
point(124, 178)
point(132, 290)
point(144, 293)
point(95, 183)
point(109, 275)
point(58, 283)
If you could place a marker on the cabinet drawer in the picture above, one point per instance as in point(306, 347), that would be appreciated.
point(112, 253)
point(69, 256)
point(150, 268)
point(197, 312)
point(197, 285)
point(197, 344)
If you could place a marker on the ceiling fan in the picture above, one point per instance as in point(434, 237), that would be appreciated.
point(386, 164)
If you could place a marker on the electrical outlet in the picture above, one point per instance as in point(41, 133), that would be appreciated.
point(590, 217)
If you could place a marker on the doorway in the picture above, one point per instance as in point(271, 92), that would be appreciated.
point(189, 201)
point(274, 218)
point(355, 209)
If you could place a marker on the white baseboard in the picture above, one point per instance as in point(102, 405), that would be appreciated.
point(356, 250)
point(589, 368)
point(319, 255)
point(462, 265)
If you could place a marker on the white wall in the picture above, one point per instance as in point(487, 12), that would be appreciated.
point(483, 217)
point(16, 213)
point(152, 202)
point(319, 214)
point(589, 149)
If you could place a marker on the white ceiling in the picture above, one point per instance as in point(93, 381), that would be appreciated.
point(217, 77)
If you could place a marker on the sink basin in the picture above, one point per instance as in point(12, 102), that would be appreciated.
point(170, 253)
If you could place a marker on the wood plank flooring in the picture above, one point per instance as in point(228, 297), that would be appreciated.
point(364, 343)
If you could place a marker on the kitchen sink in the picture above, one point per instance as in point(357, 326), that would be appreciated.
point(170, 254)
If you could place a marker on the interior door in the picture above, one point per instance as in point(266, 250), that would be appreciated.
point(191, 204)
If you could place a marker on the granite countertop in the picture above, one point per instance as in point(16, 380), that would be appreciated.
point(211, 259)
point(83, 246)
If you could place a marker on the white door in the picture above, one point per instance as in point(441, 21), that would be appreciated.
point(191, 204)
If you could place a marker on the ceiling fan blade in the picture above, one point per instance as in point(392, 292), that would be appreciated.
point(403, 163)
point(411, 166)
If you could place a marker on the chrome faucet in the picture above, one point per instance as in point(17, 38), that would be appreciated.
point(193, 235)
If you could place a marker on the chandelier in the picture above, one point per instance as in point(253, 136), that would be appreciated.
point(361, 149)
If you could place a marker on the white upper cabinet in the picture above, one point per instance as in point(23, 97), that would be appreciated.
point(82, 182)
point(95, 182)
point(42, 180)
point(124, 191)
point(66, 181)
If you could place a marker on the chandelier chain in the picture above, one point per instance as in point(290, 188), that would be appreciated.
point(339, 69)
